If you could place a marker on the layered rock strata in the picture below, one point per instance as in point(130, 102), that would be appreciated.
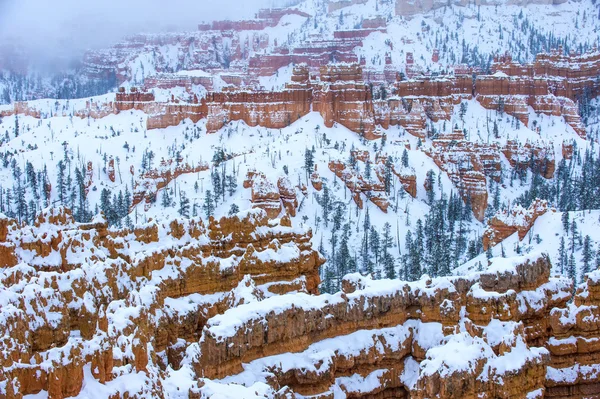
point(84, 301)
point(501, 333)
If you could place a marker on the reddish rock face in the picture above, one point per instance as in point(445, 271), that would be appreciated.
point(520, 157)
point(344, 98)
point(41, 350)
point(463, 164)
point(111, 170)
point(372, 187)
point(148, 184)
point(567, 150)
point(505, 224)
point(490, 297)
point(272, 199)
point(315, 180)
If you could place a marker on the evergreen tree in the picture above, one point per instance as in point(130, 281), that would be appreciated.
point(326, 203)
point(60, 182)
point(374, 243)
point(209, 206)
point(405, 158)
point(184, 205)
point(216, 184)
point(572, 268)
point(233, 209)
point(166, 198)
point(573, 235)
point(587, 255)
point(32, 179)
point(387, 180)
point(387, 259)
point(562, 255)
point(82, 213)
point(565, 221)
point(231, 184)
point(309, 162)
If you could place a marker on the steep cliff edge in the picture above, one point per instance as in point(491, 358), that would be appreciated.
point(84, 305)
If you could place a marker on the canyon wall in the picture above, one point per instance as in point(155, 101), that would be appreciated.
point(503, 333)
point(80, 296)
point(238, 299)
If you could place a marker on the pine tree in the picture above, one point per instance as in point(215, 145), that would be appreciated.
point(233, 209)
point(32, 179)
point(343, 261)
point(208, 207)
point(166, 198)
point(405, 158)
point(231, 184)
point(387, 180)
point(562, 256)
point(374, 243)
point(387, 259)
point(309, 162)
point(587, 255)
point(60, 182)
point(184, 205)
point(367, 173)
point(565, 221)
point(463, 111)
point(572, 268)
point(413, 268)
point(389, 265)
point(573, 235)
point(81, 213)
point(217, 184)
point(325, 202)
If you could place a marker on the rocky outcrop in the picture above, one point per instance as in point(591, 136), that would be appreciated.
point(150, 182)
point(574, 369)
point(104, 304)
point(462, 162)
point(370, 185)
point(270, 197)
point(518, 220)
point(394, 338)
point(538, 157)
point(343, 97)
point(90, 298)
point(315, 180)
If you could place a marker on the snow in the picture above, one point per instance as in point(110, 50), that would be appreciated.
point(124, 137)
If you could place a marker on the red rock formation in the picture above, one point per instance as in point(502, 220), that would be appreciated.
point(461, 161)
point(567, 150)
point(574, 350)
point(520, 156)
point(288, 195)
point(374, 186)
point(111, 169)
point(315, 180)
point(59, 325)
point(343, 98)
point(148, 184)
point(272, 199)
point(89, 176)
point(401, 330)
point(506, 223)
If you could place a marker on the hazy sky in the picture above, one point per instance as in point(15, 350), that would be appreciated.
point(52, 27)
